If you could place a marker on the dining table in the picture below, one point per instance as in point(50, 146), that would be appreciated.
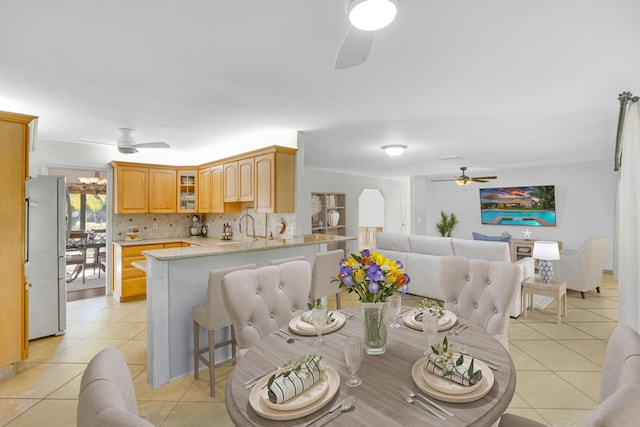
point(378, 400)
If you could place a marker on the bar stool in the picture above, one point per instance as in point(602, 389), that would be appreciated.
point(213, 315)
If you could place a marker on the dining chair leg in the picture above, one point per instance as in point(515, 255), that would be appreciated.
point(338, 303)
point(233, 343)
point(212, 363)
point(196, 349)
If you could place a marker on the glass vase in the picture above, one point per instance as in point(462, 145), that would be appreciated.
point(375, 318)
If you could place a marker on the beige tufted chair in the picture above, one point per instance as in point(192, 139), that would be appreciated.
point(582, 269)
point(283, 260)
point(107, 397)
point(481, 292)
point(619, 385)
point(326, 265)
point(213, 315)
point(263, 300)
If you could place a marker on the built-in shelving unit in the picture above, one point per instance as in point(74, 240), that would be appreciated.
point(328, 216)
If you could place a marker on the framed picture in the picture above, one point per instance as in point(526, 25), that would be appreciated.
point(533, 206)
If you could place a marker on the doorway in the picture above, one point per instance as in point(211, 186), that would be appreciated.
point(87, 230)
point(370, 217)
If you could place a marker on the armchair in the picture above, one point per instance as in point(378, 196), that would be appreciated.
point(582, 268)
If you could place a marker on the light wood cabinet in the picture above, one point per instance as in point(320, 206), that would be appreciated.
point(141, 189)
point(329, 216)
point(204, 190)
point(14, 315)
point(216, 203)
point(188, 190)
point(238, 180)
point(129, 282)
point(275, 183)
point(162, 190)
point(132, 190)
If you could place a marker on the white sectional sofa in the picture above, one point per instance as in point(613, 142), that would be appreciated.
point(421, 257)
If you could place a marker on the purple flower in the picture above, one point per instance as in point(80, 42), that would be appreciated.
point(373, 287)
point(347, 280)
point(365, 252)
point(346, 270)
point(408, 279)
point(374, 273)
point(404, 289)
point(399, 264)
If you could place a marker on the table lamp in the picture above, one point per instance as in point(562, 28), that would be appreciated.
point(544, 252)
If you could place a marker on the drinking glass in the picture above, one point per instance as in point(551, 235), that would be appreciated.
point(394, 310)
point(430, 329)
point(353, 356)
point(319, 320)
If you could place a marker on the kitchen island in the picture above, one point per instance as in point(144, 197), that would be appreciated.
point(177, 279)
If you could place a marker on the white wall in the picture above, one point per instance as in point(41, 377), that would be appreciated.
point(316, 180)
point(585, 204)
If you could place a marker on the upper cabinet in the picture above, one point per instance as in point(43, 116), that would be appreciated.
point(263, 178)
point(275, 178)
point(188, 190)
point(238, 180)
point(144, 189)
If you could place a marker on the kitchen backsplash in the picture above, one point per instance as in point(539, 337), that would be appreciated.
point(177, 225)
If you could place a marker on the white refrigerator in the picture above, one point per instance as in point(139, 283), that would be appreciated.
point(45, 261)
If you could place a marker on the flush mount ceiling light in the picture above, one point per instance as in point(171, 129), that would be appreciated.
point(371, 15)
point(394, 150)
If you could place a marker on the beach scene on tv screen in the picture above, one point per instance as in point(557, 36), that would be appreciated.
point(531, 206)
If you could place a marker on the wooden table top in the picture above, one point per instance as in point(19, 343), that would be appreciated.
point(378, 398)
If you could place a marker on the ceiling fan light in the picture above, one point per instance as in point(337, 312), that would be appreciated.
point(371, 15)
point(462, 182)
point(394, 150)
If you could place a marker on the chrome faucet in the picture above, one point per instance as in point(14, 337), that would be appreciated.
point(253, 225)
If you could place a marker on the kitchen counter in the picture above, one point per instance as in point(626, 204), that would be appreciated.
point(177, 280)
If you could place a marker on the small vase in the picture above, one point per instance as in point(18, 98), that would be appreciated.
point(333, 217)
point(374, 323)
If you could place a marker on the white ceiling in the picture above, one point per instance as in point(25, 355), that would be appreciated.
point(496, 82)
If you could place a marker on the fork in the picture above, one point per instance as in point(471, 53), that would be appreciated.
point(410, 393)
point(347, 315)
point(410, 400)
point(454, 329)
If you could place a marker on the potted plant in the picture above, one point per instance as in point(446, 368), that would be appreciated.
point(447, 224)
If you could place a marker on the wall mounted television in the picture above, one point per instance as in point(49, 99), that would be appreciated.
point(533, 206)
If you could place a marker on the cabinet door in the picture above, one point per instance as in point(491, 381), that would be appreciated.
point(230, 171)
point(217, 189)
point(204, 190)
point(245, 180)
point(162, 190)
point(131, 190)
point(265, 185)
point(187, 190)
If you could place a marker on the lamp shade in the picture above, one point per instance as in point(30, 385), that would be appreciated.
point(546, 250)
point(371, 15)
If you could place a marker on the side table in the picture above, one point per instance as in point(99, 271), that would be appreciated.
point(534, 286)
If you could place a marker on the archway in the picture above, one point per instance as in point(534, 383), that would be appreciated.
point(370, 217)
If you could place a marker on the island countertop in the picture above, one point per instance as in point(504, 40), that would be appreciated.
point(207, 246)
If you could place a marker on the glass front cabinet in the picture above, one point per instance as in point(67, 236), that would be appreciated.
point(187, 190)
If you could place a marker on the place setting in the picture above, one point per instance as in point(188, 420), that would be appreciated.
point(414, 318)
point(301, 387)
point(317, 321)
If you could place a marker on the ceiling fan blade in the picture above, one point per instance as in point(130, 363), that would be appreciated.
point(354, 49)
point(478, 180)
point(484, 177)
point(442, 180)
point(112, 144)
point(152, 145)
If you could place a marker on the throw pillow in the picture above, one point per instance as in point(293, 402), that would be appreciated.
point(478, 236)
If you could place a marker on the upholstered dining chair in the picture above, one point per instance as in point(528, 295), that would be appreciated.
point(582, 268)
point(107, 397)
point(326, 265)
point(264, 300)
point(619, 385)
point(213, 315)
point(480, 292)
point(283, 260)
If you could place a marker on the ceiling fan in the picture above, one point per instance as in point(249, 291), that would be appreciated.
point(466, 180)
point(365, 17)
point(127, 144)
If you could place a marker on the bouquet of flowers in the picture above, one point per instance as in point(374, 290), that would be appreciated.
point(372, 276)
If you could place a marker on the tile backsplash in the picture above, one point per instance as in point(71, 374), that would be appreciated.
point(177, 225)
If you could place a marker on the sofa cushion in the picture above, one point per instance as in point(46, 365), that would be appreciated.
point(424, 271)
point(440, 246)
point(479, 236)
point(393, 242)
point(478, 249)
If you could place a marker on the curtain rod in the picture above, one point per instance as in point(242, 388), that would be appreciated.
point(624, 98)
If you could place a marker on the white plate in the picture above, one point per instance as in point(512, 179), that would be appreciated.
point(447, 320)
point(305, 398)
point(257, 402)
point(479, 393)
point(445, 386)
point(301, 327)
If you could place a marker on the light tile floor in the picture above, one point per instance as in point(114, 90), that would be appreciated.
point(558, 366)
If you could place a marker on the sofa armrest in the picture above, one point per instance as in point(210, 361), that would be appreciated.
point(527, 268)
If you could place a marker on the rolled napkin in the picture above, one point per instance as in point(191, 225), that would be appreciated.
point(457, 374)
point(433, 311)
point(295, 381)
point(307, 316)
